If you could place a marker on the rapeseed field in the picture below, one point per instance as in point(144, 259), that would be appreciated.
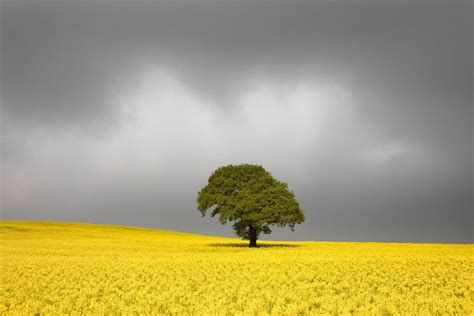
point(65, 268)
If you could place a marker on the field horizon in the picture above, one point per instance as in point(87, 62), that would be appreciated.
point(71, 268)
point(264, 239)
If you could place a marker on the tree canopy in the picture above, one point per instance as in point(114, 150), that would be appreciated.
point(251, 198)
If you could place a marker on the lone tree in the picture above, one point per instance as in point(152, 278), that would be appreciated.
point(251, 198)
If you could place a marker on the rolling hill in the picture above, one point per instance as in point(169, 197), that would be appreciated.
point(71, 268)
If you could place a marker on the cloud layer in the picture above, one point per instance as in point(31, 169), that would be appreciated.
point(118, 112)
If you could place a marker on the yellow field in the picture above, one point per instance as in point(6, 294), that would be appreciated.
point(52, 268)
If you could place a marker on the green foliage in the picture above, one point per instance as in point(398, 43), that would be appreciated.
point(251, 198)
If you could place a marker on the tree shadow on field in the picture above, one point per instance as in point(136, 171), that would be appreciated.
point(246, 245)
point(13, 229)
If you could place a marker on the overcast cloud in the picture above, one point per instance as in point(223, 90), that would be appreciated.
point(117, 112)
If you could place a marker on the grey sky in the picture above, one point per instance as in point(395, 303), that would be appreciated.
point(118, 111)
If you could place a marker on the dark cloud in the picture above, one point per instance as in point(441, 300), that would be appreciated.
point(365, 108)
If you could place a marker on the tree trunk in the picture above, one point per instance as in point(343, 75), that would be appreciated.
point(252, 236)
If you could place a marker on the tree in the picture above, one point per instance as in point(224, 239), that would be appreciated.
point(251, 198)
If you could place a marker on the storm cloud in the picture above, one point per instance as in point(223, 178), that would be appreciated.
point(117, 112)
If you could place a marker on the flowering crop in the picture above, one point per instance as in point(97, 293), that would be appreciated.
point(63, 268)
